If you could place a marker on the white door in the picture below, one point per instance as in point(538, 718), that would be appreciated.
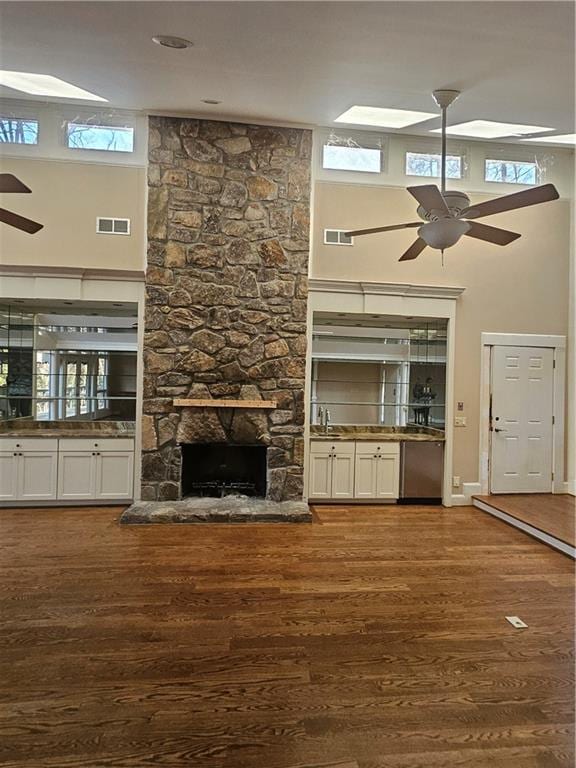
point(114, 473)
point(365, 479)
point(321, 475)
point(522, 409)
point(37, 475)
point(76, 475)
point(8, 476)
point(342, 475)
point(387, 475)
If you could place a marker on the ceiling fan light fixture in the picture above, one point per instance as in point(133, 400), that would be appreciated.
point(443, 233)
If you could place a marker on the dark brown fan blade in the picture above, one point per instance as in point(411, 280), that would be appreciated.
point(510, 202)
point(26, 225)
point(372, 231)
point(429, 197)
point(9, 183)
point(491, 234)
point(414, 251)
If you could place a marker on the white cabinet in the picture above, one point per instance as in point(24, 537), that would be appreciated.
point(28, 469)
point(8, 476)
point(331, 470)
point(377, 474)
point(96, 469)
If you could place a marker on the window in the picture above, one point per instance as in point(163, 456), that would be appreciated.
point(426, 164)
point(102, 382)
point(43, 403)
point(336, 157)
point(106, 138)
point(511, 172)
point(107, 226)
point(337, 237)
point(18, 130)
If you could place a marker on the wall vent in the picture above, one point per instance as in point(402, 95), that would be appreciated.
point(337, 237)
point(108, 226)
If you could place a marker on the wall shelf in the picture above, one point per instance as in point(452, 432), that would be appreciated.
point(211, 403)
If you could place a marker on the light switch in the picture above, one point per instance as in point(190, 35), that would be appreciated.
point(460, 421)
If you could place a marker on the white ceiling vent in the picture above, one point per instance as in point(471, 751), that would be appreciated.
point(108, 226)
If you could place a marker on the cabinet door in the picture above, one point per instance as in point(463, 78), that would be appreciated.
point(8, 476)
point(320, 475)
point(365, 480)
point(387, 476)
point(342, 475)
point(76, 478)
point(37, 475)
point(114, 475)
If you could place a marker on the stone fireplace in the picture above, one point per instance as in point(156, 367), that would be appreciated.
point(226, 288)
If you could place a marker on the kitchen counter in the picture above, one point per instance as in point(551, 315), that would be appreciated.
point(89, 429)
point(376, 433)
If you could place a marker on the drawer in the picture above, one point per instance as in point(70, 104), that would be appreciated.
point(97, 444)
point(342, 447)
point(28, 444)
point(386, 448)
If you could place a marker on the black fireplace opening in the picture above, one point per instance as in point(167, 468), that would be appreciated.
point(220, 469)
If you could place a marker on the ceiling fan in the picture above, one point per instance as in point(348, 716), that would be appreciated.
point(447, 214)
point(9, 183)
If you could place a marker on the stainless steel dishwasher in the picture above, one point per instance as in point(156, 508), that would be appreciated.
point(421, 471)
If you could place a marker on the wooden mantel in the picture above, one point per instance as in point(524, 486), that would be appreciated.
point(212, 403)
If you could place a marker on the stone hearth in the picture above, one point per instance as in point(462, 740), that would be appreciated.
point(227, 510)
point(226, 289)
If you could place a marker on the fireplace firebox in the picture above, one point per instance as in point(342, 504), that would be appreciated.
point(221, 469)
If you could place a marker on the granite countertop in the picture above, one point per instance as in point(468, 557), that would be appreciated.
point(376, 433)
point(88, 429)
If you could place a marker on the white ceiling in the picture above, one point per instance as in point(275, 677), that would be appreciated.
point(306, 62)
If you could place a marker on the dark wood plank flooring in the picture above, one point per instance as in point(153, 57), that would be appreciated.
point(373, 638)
point(554, 514)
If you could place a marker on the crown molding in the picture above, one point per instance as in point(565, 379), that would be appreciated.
point(76, 273)
point(322, 285)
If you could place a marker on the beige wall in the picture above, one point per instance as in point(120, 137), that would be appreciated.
point(522, 288)
point(67, 197)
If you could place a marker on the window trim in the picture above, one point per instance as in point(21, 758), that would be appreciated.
point(433, 153)
point(22, 118)
point(365, 140)
point(533, 162)
point(97, 122)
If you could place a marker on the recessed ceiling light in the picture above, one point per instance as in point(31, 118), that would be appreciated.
point(383, 117)
point(45, 85)
point(567, 138)
point(211, 101)
point(488, 129)
point(171, 41)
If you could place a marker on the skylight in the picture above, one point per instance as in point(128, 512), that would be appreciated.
point(383, 117)
point(45, 85)
point(567, 138)
point(488, 129)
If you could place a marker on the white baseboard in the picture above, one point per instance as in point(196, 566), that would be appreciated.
point(568, 487)
point(464, 499)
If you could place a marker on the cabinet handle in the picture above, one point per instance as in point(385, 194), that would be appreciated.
point(15, 454)
point(18, 445)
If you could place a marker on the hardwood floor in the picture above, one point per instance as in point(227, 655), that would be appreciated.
point(552, 513)
point(373, 638)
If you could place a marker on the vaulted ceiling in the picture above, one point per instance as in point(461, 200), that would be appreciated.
point(306, 62)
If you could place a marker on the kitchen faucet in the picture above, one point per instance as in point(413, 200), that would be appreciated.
point(326, 420)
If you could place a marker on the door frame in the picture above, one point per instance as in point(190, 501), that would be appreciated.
point(558, 344)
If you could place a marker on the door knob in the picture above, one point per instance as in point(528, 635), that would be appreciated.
point(499, 429)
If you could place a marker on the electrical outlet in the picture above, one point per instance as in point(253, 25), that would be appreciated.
point(460, 421)
point(516, 622)
point(456, 481)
